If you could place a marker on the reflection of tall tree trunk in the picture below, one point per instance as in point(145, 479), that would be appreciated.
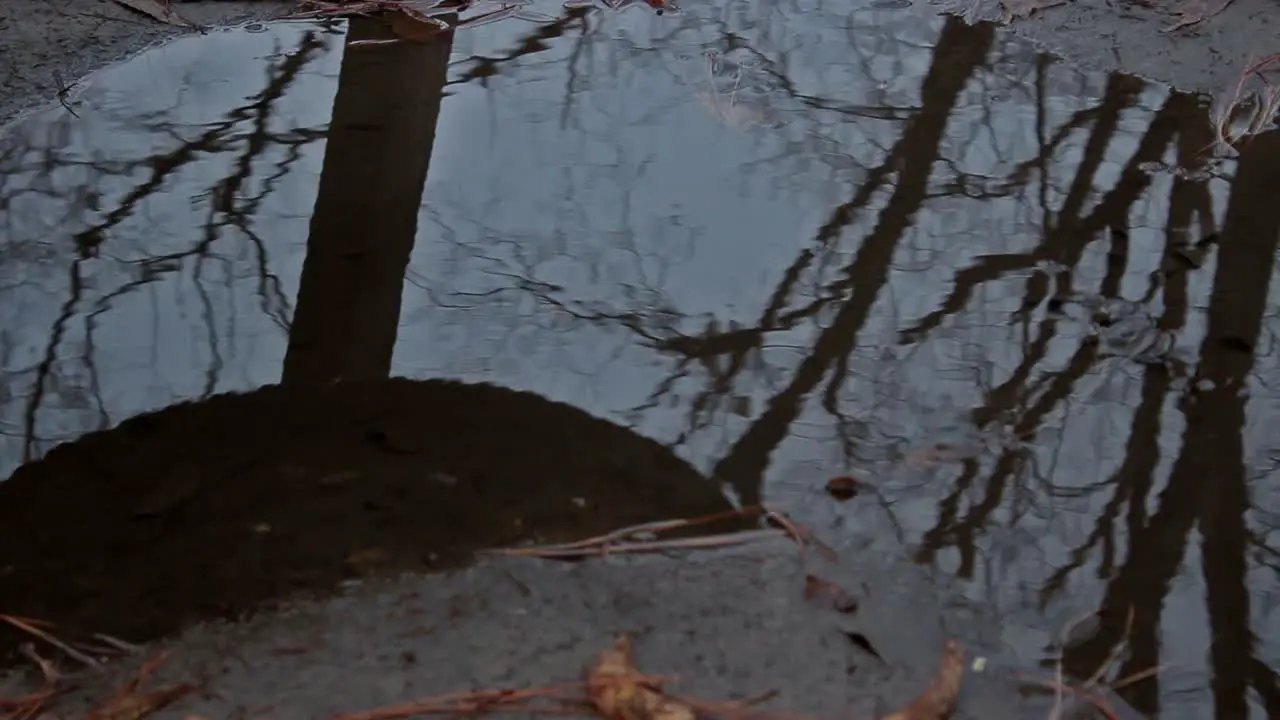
point(1067, 242)
point(1207, 481)
point(1250, 235)
point(960, 50)
point(366, 212)
point(1189, 200)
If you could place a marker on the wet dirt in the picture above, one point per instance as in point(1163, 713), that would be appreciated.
point(51, 45)
point(1015, 298)
point(725, 624)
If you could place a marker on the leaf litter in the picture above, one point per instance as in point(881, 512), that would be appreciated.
point(1250, 107)
point(128, 702)
point(612, 687)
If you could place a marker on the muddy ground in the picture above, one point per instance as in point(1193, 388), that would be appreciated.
point(51, 43)
point(729, 624)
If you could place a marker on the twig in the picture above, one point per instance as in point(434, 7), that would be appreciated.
point(1266, 105)
point(47, 669)
point(1097, 701)
point(1138, 677)
point(118, 643)
point(467, 702)
point(654, 528)
point(1058, 680)
point(706, 541)
point(29, 625)
point(802, 537)
point(1114, 654)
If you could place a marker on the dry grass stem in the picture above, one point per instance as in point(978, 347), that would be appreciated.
point(639, 538)
point(33, 627)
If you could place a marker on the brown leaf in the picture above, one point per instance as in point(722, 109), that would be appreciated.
point(937, 700)
point(830, 594)
point(842, 487)
point(1191, 12)
point(619, 691)
point(156, 10)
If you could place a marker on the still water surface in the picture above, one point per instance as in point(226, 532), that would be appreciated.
point(785, 241)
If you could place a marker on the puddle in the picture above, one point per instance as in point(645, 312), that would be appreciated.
point(757, 248)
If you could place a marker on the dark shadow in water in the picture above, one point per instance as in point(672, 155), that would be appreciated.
point(960, 50)
point(1020, 403)
point(366, 214)
point(207, 509)
point(1190, 204)
point(1207, 485)
point(232, 207)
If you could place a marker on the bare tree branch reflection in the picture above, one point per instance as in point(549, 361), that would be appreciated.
point(1212, 447)
point(40, 164)
point(1134, 479)
point(959, 51)
point(1070, 237)
point(1062, 242)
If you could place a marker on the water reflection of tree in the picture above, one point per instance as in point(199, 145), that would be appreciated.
point(365, 220)
point(1207, 485)
point(818, 283)
point(1024, 401)
point(960, 50)
point(1074, 220)
point(245, 134)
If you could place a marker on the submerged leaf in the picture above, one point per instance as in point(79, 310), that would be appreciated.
point(937, 700)
point(829, 594)
point(842, 487)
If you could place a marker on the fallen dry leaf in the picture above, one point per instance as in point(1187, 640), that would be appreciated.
point(829, 594)
point(619, 691)
point(156, 10)
point(937, 700)
point(1191, 12)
